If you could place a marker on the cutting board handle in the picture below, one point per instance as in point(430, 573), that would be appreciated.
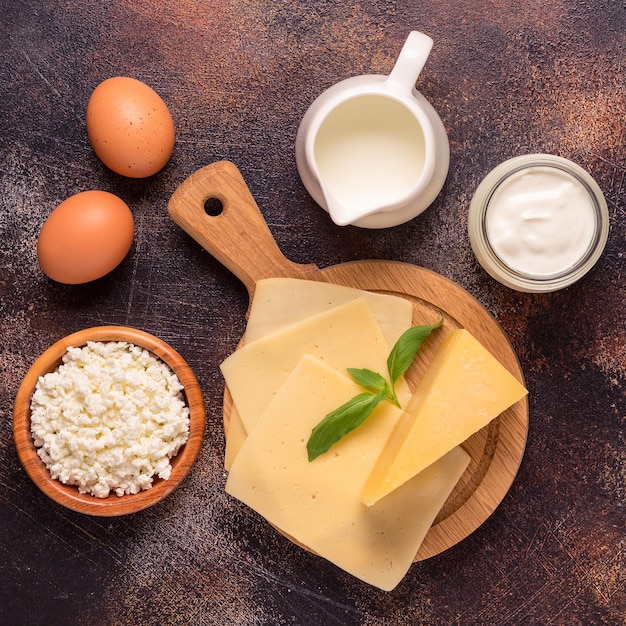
point(238, 237)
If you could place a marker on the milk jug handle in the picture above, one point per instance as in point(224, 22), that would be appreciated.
point(411, 61)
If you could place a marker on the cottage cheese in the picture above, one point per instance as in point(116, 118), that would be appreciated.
point(109, 419)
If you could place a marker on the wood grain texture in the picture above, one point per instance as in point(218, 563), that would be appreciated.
point(240, 237)
point(112, 505)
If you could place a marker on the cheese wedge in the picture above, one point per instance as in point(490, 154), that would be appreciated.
point(464, 388)
point(345, 336)
point(280, 302)
point(318, 503)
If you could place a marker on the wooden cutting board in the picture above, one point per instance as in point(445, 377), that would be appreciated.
point(241, 240)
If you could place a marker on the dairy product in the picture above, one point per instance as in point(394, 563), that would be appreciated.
point(280, 302)
point(235, 436)
point(464, 388)
point(109, 419)
point(345, 336)
point(538, 223)
point(318, 503)
point(541, 221)
point(370, 152)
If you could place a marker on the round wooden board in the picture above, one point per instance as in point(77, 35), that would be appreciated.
point(496, 451)
point(240, 239)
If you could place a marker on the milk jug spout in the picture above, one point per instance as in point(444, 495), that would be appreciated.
point(344, 213)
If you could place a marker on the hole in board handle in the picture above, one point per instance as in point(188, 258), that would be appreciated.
point(213, 207)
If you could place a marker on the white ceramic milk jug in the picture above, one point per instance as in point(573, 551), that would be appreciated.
point(371, 150)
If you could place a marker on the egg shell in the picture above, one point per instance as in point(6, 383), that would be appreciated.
point(130, 127)
point(85, 237)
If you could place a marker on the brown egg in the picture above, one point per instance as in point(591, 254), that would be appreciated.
point(130, 127)
point(85, 237)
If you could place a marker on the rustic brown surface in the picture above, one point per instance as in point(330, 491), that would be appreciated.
point(508, 78)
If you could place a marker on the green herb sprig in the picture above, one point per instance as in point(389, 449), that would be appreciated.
point(353, 413)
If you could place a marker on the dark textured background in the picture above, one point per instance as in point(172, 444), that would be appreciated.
point(508, 78)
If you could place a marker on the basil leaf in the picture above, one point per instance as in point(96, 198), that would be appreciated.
point(353, 413)
point(368, 379)
point(406, 348)
point(341, 421)
point(403, 353)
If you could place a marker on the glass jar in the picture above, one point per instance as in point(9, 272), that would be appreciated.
point(538, 223)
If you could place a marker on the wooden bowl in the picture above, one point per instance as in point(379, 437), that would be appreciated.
point(113, 505)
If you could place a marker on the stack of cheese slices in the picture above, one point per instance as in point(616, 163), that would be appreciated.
point(367, 504)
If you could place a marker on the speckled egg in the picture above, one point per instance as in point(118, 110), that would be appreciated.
point(130, 127)
point(85, 237)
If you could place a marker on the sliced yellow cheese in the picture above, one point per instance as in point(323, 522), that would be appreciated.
point(345, 336)
point(318, 503)
point(280, 302)
point(464, 388)
point(235, 437)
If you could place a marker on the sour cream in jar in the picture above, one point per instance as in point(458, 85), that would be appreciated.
point(538, 223)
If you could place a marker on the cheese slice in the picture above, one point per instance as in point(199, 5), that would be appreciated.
point(464, 388)
point(280, 302)
point(345, 336)
point(318, 503)
point(235, 437)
